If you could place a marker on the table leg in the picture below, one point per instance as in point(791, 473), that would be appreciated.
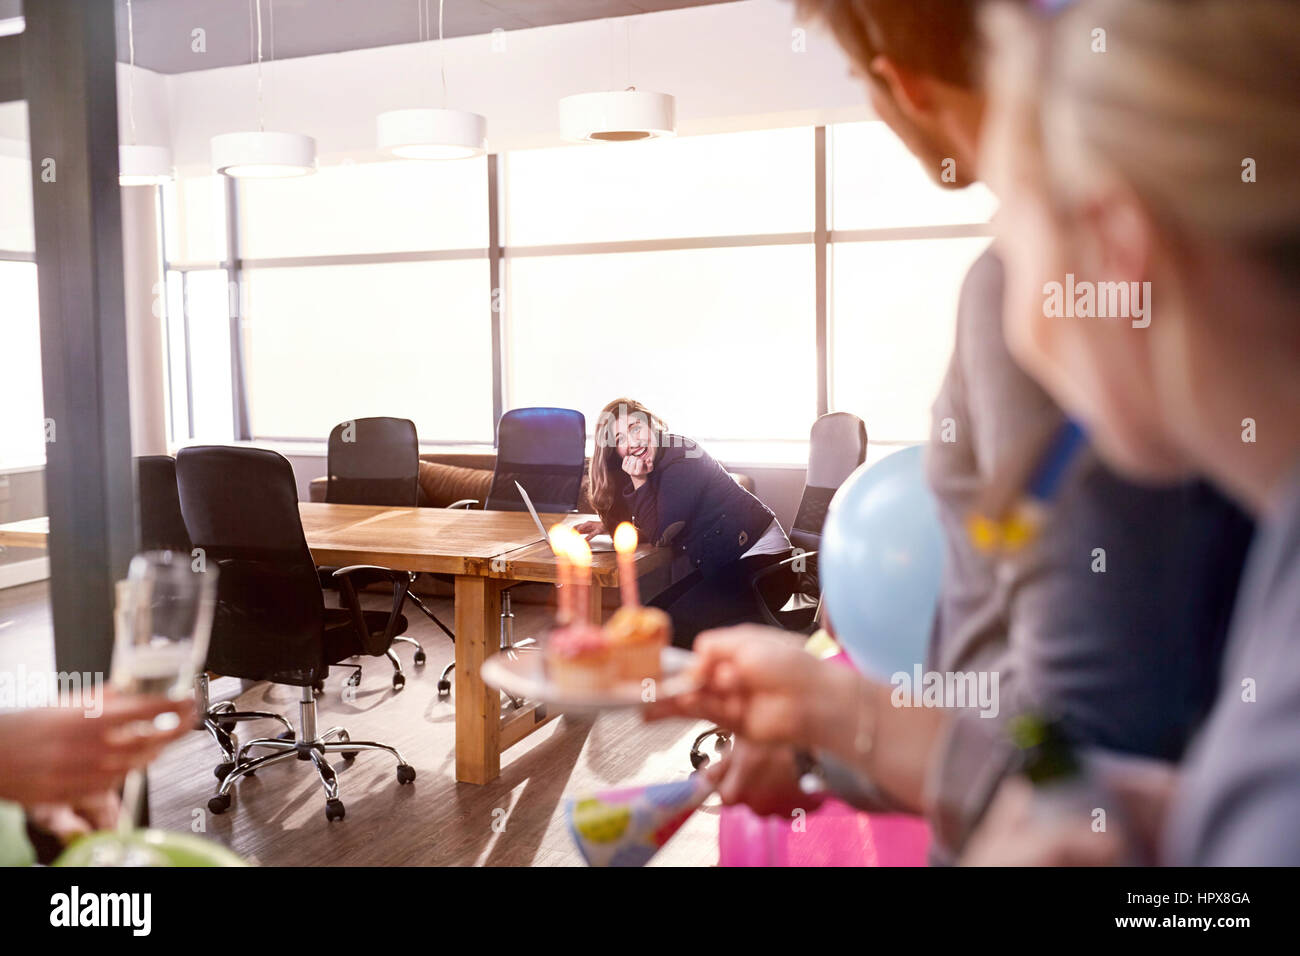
point(478, 707)
point(595, 612)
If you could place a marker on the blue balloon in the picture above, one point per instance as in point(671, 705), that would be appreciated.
point(880, 564)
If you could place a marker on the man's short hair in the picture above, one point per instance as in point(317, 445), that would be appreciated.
point(937, 37)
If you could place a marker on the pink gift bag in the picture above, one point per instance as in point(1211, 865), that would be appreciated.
point(834, 834)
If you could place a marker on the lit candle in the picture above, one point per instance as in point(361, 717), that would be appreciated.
point(580, 554)
point(564, 593)
point(625, 545)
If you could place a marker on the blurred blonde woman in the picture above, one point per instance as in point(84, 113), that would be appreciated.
point(1167, 170)
point(679, 497)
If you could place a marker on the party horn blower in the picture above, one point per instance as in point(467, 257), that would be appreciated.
point(629, 826)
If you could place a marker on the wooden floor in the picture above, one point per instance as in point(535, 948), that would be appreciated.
point(278, 817)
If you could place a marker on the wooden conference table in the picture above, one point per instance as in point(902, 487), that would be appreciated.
point(485, 551)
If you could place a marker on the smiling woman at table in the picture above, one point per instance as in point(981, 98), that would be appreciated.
point(679, 497)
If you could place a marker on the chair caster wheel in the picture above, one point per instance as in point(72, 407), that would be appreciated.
point(444, 688)
point(405, 773)
point(334, 809)
point(347, 754)
point(355, 679)
point(222, 769)
point(220, 803)
point(399, 681)
point(420, 658)
point(227, 726)
point(699, 760)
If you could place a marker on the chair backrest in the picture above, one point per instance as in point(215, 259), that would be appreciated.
point(837, 447)
point(545, 450)
point(241, 508)
point(162, 526)
point(374, 461)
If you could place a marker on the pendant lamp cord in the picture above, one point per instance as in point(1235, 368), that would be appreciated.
point(442, 50)
point(261, 110)
point(130, 82)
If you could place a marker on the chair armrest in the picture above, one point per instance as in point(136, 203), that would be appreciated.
point(375, 571)
point(400, 580)
point(803, 555)
point(465, 503)
point(773, 568)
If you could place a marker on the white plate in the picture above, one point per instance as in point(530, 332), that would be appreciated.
point(524, 675)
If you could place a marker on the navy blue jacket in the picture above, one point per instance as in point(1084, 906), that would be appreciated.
point(689, 503)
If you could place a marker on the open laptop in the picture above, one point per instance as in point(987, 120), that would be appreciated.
point(601, 542)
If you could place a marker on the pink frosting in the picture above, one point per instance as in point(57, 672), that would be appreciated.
point(574, 641)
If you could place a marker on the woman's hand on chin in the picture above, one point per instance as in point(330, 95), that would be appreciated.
point(637, 468)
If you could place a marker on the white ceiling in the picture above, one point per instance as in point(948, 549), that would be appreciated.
point(163, 28)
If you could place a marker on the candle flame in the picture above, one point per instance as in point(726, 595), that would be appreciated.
point(625, 539)
point(579, 550)
point(560, 535)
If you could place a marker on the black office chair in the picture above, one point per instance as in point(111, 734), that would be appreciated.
point(376, 461)
point(162, 528)
point(545, 450)
point(271, 623)
point(837, 446)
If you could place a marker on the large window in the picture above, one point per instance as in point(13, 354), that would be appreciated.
point(22, 421)
point(900, 248)
point(199, 300)
point(360, 290)
point(365, 208)
point(724, 185)
point(893, 307)
point(22, 425)
point(876, 183)
point(718, 341)
point(194, 218)
point(408, 339)
point(680, 272)
point(683, 272)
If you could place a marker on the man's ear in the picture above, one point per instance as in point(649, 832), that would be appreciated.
point(909, 89)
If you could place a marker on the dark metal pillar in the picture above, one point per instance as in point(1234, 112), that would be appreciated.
point(70, 84)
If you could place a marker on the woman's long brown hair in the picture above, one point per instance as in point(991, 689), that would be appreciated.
point(608, 480)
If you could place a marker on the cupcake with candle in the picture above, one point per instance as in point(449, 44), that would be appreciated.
point(582, 657)
point(578, 657)
point(637, 634)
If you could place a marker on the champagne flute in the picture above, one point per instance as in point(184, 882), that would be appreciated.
point(163, 622)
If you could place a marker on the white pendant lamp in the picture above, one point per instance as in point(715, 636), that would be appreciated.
point(139, 165)
point(263, 154)
point(618, 116)
point(144, 165)
point(432, 133)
